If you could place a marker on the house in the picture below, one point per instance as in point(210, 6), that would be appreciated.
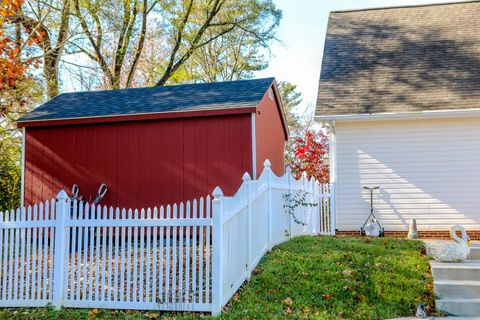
point(153, 146)
point(400, 90)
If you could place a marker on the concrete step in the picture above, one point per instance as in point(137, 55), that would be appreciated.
point(439, 318)
point(467, 270)
point(474, 253)
point(445, 289)
point(459, 307)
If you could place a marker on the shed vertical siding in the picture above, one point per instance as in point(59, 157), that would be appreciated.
point(144, 163)
point(270, 134)
point(426, 169)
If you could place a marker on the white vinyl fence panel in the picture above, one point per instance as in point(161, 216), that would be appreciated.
point(248, 224)
point(191, 256)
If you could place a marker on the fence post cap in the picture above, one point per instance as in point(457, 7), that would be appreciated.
point(62, 195)
point(217, 193)
point(304, 174)
point(246, 177)
point(288, 169)
point(267, 164)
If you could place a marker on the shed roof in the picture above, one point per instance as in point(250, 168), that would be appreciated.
point(226, 96)
point(401, 59)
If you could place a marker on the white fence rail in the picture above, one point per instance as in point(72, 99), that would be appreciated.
point(187, 257)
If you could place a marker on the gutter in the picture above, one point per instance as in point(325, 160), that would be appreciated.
point(401, 115)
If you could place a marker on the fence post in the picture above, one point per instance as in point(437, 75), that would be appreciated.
point(217, 251)
point(289, 179)
point(267, 167)
point(246, 180)
point(305, 207)
point(318, 201)
point(62, 211)
point(332, 221)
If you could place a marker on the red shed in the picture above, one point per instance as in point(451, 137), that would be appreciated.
point(155, 145)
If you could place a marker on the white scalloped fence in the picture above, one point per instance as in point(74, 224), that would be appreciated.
point(191, 256)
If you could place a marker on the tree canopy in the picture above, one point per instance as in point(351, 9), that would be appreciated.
point(112, 44)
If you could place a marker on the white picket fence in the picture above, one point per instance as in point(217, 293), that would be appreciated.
point(187, 257)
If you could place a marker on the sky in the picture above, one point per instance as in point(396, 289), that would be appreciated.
point(302, 33)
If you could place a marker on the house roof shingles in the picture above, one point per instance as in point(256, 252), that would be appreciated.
point(177, 98)
point(402, 59)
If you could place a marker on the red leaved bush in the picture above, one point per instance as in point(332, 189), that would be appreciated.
point(311, 156)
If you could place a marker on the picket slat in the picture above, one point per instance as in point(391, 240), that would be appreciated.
point(110, 262)
point(207, 259)
point(188, 246)
point(52, 237)
point(22, 255)
point(103, 263)
point(194, 252)
point(40, 253)
point(16, 261)
point(122, 260)
point(34, 253)
point(78, 250)
point(3, 240)
point(179, 288)
point(141, 257)
point(201, 251)
point(173, 289)
point(162, 259)
point(128, 290)
point(85, 235)
point(148, 262)
point(45, 252)
point(116, 261)
point(91, 249)
point(154, 262)
point(135, 259)
point(168, 255)
point(97, 255)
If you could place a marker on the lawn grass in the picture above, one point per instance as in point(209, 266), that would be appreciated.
point(310, 278)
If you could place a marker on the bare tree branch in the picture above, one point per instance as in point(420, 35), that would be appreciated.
point(141, 43)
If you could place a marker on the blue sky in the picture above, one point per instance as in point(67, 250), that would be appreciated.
point(302, 32)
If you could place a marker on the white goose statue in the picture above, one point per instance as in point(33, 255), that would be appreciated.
point(451, 251)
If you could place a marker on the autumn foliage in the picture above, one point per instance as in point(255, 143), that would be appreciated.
point(311, 156)
point(14, 64)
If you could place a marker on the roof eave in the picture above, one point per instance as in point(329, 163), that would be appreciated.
point(400, 115)
point(135, 117)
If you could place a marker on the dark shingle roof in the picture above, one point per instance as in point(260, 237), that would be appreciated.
point(402, 59)
point(190, 97)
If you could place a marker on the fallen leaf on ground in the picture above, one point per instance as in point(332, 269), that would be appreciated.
point(347, 272)
point(288, 301)
point(93, 313)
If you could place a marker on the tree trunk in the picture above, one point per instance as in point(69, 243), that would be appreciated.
point(50, 71)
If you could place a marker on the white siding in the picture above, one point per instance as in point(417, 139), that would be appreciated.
point(426, 169)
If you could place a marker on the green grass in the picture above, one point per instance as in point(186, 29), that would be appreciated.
point(311, 278)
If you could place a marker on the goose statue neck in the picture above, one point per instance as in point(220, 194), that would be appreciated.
point(464, 240)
